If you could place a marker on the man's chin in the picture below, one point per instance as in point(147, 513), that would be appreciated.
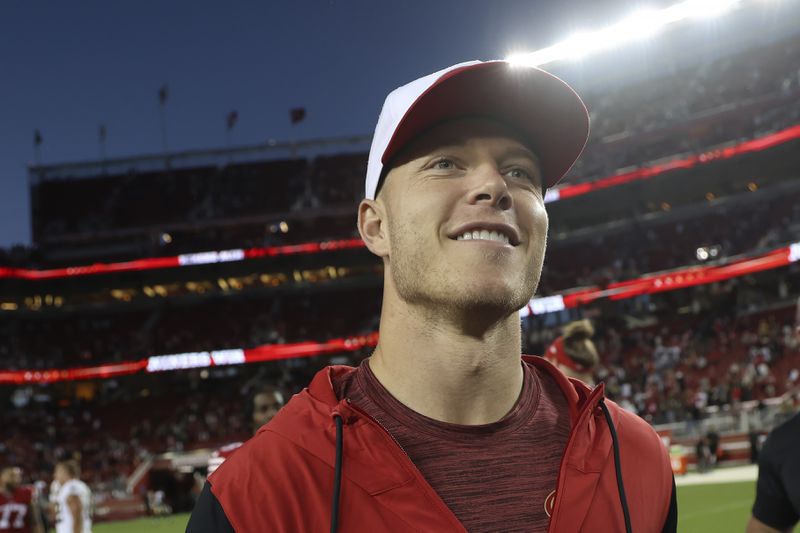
point(494, 298)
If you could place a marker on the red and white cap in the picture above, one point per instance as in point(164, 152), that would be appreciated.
point(546, 110)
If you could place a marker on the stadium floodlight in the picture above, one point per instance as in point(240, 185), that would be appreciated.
point(637, 26)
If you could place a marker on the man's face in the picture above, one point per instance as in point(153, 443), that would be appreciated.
point(11, 478)
point(265, 406)
point(450, 186)
point(61, 474)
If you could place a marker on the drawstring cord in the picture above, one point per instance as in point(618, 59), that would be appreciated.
point(337, 474)
point(620, 487)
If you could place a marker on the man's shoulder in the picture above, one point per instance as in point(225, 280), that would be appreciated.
point(75, 486)
point(788, 429)
point(23, 494)
point(640, 444)
point(783, 440)
point(632, 427)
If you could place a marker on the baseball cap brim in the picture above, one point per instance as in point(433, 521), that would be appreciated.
point(542, 107)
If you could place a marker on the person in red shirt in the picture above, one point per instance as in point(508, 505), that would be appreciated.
point(446, 427)
point(574, 353)
point(17, 504)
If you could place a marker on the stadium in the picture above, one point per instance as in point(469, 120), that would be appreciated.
point(161, 291)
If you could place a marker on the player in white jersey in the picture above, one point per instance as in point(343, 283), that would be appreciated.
point(74, 500)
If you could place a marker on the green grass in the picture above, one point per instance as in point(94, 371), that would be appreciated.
point(719, 508)
point(715, 508)
point(166, 524)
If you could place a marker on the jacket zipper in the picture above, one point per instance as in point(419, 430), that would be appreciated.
point(365, 415)
point(415, 470)
point(570, 441)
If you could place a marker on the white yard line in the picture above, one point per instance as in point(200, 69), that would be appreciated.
point(720, 475)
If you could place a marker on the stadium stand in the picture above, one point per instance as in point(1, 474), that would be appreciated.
point(725, 100)
point(675, 358)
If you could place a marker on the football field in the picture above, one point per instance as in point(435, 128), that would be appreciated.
point(703, 508)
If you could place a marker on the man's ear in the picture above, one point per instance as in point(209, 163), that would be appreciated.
point(372, 226)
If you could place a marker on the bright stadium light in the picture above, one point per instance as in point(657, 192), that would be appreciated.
point(640, 25)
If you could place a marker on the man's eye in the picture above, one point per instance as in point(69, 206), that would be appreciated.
point(444, 164)
point(521, 173)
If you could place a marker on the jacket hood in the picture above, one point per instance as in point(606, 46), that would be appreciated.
point(576, 391)
point(586, 486)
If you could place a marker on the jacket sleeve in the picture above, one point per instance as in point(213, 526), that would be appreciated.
point(671, 523)
point(208, 515)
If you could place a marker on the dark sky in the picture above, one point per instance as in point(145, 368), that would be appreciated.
point(67, 67)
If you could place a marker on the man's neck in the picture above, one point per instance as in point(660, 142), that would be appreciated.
point(446, 370)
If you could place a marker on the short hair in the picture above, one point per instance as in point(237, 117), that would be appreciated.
point(71, 466)
point(8, 468)
point(266, 389)
point(578, 343)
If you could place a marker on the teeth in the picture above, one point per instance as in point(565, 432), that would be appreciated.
point(483, 235)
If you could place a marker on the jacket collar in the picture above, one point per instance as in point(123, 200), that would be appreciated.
point(379, 468)
point(576, 391)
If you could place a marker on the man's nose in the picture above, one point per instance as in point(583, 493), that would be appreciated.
point(490, 188)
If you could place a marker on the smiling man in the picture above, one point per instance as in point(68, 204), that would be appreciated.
point(447, 427)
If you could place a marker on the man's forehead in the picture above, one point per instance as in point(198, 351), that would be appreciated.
point(266, 397)
point(470, 131)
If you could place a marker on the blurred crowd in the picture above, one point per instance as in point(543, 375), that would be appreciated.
point(70, 339)
point(666, 369)
point(634, 250)
point(688, 110)
point(669, 357)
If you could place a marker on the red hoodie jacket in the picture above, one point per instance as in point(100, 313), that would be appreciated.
point(283, 478)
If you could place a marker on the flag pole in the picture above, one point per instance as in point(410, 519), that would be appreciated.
point(230, 123)
point(296, 116)
point(101, 140)
point(37, 150)
point(163, 93)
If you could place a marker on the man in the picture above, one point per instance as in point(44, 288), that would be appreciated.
point(17, 504)
point(264, 405)
point(777, 505)
point(74, 500)
point(574, 353)
point(444, 427)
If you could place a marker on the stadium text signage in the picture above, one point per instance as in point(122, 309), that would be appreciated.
point(183, 361)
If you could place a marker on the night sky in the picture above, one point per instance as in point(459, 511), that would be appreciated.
point(66, 68)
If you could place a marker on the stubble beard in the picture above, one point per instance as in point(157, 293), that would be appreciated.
point(422, 282)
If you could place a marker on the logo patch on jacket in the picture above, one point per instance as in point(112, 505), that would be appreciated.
point(550, 503)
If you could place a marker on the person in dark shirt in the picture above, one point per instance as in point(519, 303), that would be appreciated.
point(777, 506)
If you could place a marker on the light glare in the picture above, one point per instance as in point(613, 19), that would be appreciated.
point(641, 24)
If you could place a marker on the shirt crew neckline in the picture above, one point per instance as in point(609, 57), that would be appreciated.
point(523, 410)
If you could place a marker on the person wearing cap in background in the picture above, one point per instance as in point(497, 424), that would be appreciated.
point(446, 427)
point(574, 353)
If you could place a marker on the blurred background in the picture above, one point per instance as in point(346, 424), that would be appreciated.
point(178, 191)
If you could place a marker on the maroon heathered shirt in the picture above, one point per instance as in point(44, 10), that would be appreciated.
point(494, 477)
